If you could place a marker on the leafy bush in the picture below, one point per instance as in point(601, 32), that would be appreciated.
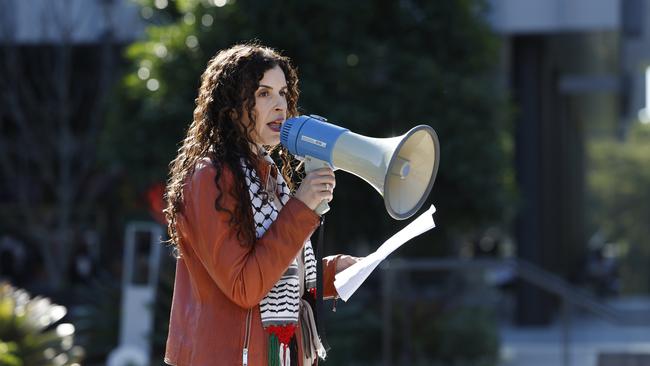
point(8, 356)
point(451, 322)
point(28, 335)
point(618, 196)
point(462, 336)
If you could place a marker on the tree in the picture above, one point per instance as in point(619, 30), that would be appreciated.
point(53, 105)
point(618, 191)
point(378, 68)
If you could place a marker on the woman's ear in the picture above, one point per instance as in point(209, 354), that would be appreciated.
point(233, 114)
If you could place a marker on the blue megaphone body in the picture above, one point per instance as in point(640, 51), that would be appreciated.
point(402, 169)
point(311, 136)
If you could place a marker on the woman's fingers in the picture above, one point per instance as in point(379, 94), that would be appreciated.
point(323, 184)
point(324, 181)
point(317, 186)
point(323, 175)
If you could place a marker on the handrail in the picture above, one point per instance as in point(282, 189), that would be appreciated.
point(533, 274)
point(570, 294)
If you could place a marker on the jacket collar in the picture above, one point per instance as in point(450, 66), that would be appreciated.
point(265, 166)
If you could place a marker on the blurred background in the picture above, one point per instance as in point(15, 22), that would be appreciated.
point(541, 254)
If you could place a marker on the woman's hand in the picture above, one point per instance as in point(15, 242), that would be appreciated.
point(346, 261)
point(318, 185)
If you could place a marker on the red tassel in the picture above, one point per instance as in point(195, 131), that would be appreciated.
point(312, 291)
point(283, 332)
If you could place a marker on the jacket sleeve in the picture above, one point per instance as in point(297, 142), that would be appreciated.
point(329, 271)
point(245, 274)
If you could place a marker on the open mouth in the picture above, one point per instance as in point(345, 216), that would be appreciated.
point(276, 125)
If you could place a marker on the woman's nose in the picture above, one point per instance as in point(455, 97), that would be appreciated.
point(281, 103)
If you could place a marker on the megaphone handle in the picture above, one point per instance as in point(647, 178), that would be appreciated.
point(322, 208)
point(312, 164)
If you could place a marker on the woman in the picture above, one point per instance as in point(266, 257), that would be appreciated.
point(245, 273)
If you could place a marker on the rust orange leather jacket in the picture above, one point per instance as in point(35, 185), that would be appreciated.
point(220, 282)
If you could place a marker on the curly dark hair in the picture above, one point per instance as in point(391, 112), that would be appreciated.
point(217, 131)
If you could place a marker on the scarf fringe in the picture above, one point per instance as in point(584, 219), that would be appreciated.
point(312, 346)
point(279, 353)
point(274, 346)
point(285, 355)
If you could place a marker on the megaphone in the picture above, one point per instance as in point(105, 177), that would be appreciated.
point(402, 169)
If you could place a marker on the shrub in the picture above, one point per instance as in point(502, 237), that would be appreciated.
point(29, 334)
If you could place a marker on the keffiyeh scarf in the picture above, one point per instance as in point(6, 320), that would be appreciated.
point(281, 307)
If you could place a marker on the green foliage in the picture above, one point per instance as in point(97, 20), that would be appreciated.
point(26, 334)
point(8, 355)
point(459, 337)
point(456, 326)
point(354, 331)
point(618, 187)
point(378, 68)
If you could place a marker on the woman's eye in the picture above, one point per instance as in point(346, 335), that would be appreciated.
point(283, 93)
point(264, 94)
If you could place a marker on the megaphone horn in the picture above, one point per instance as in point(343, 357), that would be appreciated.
point(402, 169)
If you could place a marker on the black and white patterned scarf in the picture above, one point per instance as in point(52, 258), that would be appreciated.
point(280, 308)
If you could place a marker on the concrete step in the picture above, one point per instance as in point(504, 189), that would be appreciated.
point(623, 359)
point(580, 354)
point(590, 341)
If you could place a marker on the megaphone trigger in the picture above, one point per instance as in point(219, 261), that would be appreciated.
point(312, 164)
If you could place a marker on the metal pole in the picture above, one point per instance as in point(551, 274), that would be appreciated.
point(387, 284)
point(566, 332)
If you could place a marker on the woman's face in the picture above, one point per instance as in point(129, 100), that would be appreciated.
point(270, 109)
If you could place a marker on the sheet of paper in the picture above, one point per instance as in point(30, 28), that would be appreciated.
point(349, 280)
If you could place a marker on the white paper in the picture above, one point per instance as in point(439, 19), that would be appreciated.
point(349, 280)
